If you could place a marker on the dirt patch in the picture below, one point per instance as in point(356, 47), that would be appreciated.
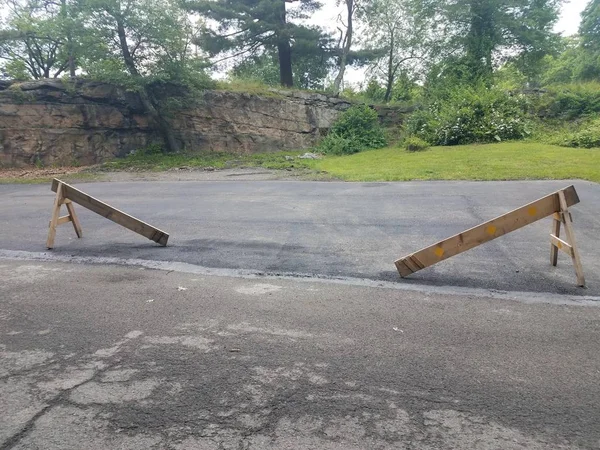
point(32, 173)
point(89, 173)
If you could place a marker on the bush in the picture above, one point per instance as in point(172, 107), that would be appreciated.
point(334, 144)
point(355, 130)
point(415, 144)
point(471, 114)
point(570, 101)
point(587, 137)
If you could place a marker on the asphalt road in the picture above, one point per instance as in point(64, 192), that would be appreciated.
point(101, 357)
point(320, 228)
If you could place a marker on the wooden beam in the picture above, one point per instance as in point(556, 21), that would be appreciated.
point(73, 218)
point(485, 232)
point(58, 201)
point(63, 219)
point(555, 231)
point(559, 244)
point(105, 210)
point(567, 221)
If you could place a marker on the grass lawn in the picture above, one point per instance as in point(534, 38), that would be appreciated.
point(501, 161)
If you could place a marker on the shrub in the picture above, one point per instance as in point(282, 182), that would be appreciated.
point(334, 144)
point(569, 101)
point(355, 130)
point(587, 137)
point(471, 114)
point(415, 144)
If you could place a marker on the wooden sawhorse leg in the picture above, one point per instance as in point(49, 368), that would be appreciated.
point(569, 245)
point(57, 220)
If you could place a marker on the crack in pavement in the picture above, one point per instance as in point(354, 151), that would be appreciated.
point(62, 396)
point(57, 400)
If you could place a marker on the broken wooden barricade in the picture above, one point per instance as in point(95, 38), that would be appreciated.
point(67, 195)
point(555, 204)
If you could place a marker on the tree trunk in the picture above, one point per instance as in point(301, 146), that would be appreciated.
point(481, 39)
point(345, 48)
point(286, 76)
point(163, 126)
point(390, 72)
point(284, 50)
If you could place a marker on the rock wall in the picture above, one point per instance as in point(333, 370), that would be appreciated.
point(51, 122)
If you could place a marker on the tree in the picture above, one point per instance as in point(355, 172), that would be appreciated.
point(39, 38)
point(402, 37)
point(242, 27)
point(138, 43)
point(345, 42)
point(589, 30)
point(310, 64)
point(486, 32)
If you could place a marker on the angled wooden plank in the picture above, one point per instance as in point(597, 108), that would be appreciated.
point(105, 210)
point(485, 232)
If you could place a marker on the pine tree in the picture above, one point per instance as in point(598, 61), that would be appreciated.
point(243, 27)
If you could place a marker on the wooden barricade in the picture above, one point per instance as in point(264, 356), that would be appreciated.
point(555, 205)
point(67, 195)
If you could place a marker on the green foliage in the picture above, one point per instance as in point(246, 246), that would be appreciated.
point(471, 114)
point(40, 38)
point(577, 62)
point(404, 92)
point(588, 136)
point(402, 34)
point(415, 144)
point(310, 67)
point(478, 32)
point(569, 101)
point(355, 130)
point(589, 29)
point(255, 26)
point(374, 91)
point(509, 78)
point(151, 149)
point(18, 95)
point(334, 144)
point(16, 70)
point(152, 159)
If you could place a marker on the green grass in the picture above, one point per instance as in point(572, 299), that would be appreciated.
point(162, 162)
point(502, 161)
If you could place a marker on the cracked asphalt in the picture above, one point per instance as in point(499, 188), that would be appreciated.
point(492, 349)
point(105, 357)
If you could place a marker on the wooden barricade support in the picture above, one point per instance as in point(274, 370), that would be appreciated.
point(556, 205)
point(67, 195)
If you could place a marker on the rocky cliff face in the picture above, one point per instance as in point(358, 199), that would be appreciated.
point(50, 122)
